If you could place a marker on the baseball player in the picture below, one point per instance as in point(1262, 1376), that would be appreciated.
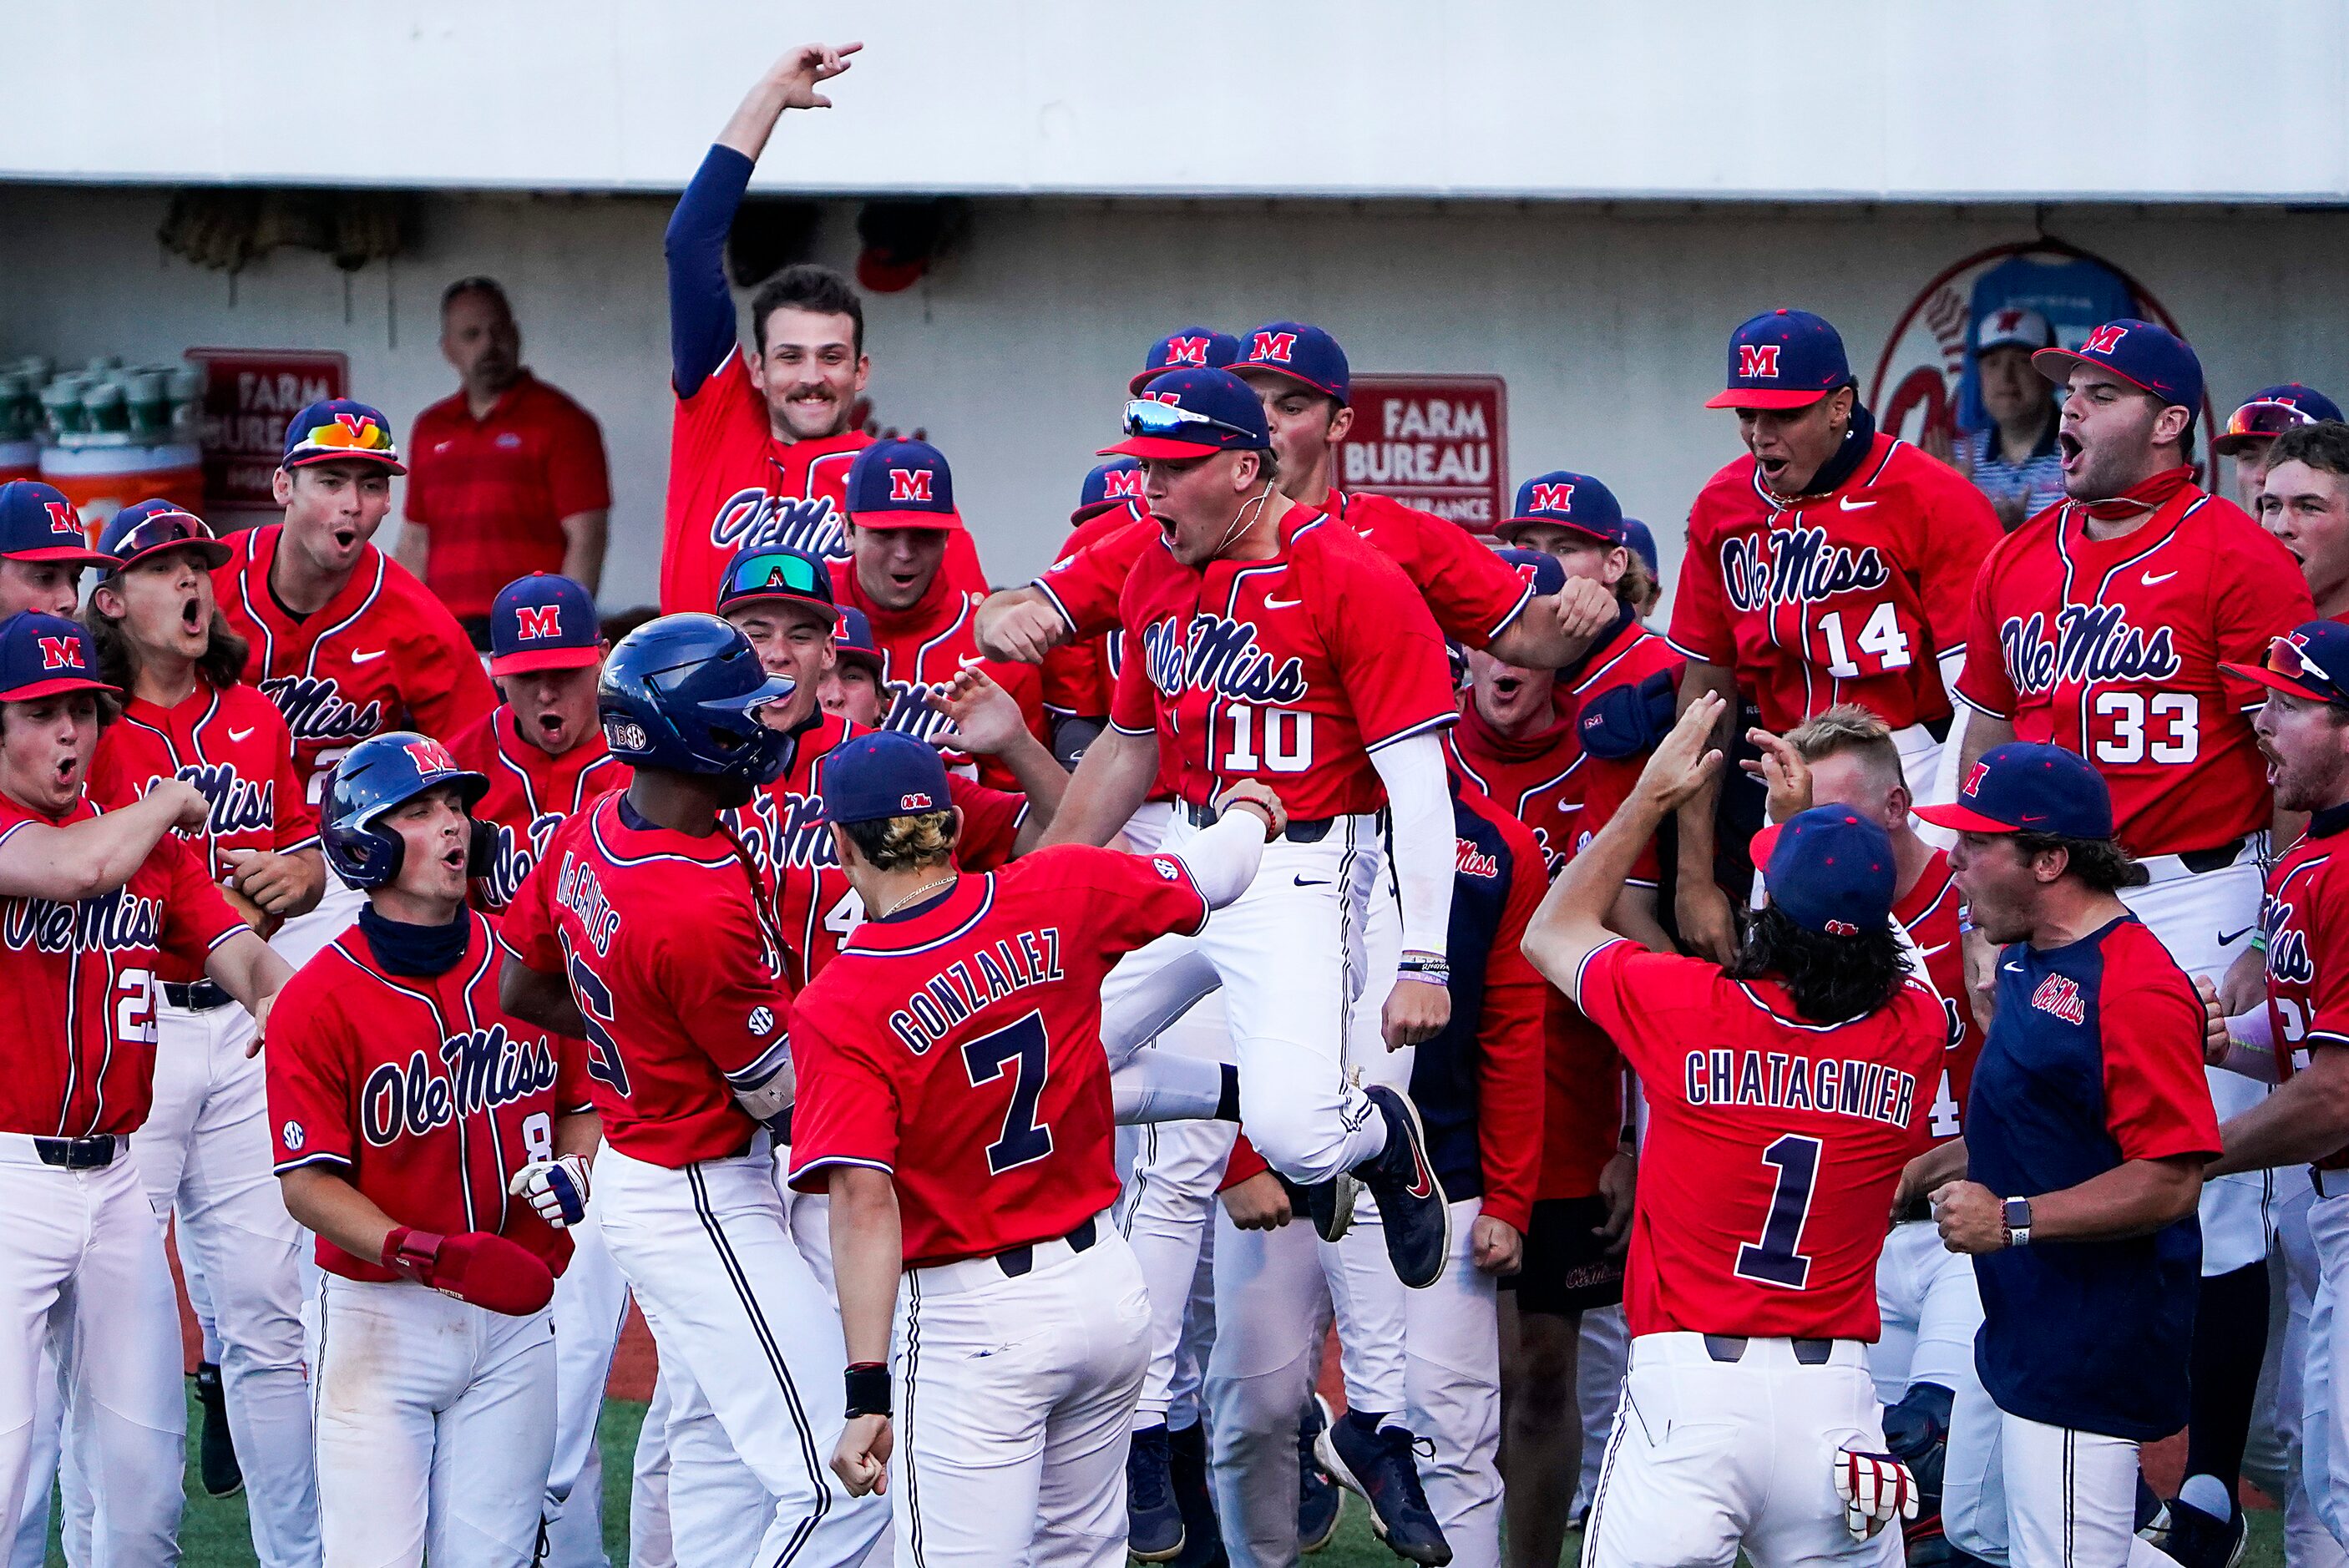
point(2304, 504)
point(760, 443)
point(901, 517)
point(1604, 544)
point(955, 1103)
point(203, 1152)
point(43, 549)
point(2100, 626)
point(1784, 1096)
point(2251, 431)
point(852, 688)
point(337, 635)
point(438, 1146)
point(93, 902)
point(1829, 564)
point(2087, 1125)
point(1078, 676)
point(688, 1063)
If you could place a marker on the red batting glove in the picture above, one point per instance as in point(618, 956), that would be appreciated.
point(474, 1266)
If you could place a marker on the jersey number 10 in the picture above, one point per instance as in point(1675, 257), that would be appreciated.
point(1287, 740)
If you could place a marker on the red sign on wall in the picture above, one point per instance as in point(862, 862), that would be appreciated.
point(1437, 442)
point(249, 393)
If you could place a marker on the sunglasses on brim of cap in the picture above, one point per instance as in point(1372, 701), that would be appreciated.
point(2290, 660)
point(1171, 421)
point(166, 528)
point(2266, 419)
point(781, 572)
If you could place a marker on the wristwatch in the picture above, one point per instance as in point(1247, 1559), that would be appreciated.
point(2016, 1216)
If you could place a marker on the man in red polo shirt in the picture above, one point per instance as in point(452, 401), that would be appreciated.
point(506, 475)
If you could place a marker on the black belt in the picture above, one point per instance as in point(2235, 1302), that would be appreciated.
point(1017, 1260)
point(202, 996)
point(1939, 728)
point(2216, 857)
point(1918, 1209)
point(1732, 1348)
point(1309, 830)
point(92, 1153)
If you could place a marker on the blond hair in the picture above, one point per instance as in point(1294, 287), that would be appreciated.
point(905, 843)
point(1848, 728)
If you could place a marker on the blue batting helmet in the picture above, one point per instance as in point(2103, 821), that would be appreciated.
point(378, 774)
point(682, 693)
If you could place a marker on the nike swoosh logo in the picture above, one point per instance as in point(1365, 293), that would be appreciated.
point(2013, 968)
point(1848, 504)
point(368, 658)
point(2150, 580)
point(1937, 947)
point(238, 735)
point(2228, 939)
point(1316, 882)
point(1272, 603)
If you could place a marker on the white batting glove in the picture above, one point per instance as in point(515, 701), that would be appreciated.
point(557, 1189)
point(1875, 1490)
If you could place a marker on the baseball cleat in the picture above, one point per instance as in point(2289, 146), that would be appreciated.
point(1412, 1205)
point(1377, 1462)
point(2199, 1539)
point(215, 1449)
point(1328, 1204)
point(1187, 1470)
point(1153, 1524)
point(1320, 1501)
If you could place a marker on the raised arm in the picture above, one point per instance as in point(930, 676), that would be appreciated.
point(84, 860)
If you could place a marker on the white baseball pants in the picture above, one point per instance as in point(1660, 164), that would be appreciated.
point(650, 1544)
point(751, 1351)
point(2043, 1495)
point(591, 1302)
point(1931, 1309)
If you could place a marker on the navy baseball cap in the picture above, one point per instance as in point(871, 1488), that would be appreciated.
point(38, 524)
point(44, 656)
point(1115, 484)
point(2148, 358)
point(544, 622)
point(1831, 870)
point(902, 484)
point(338, 430)
point(1643, 543)
point(139, 531)
point(2270, 412)
point(852, 639)
point(2309, 660)
point(1538, 568)
point(1184, 348)
point(1193, 414)
point(1303, 353)
point(1782, 359)
point(882, 773)
point(2025, 788)
point(764, 572)
point(1563, 499)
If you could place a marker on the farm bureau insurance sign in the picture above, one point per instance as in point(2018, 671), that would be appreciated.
point(1437, 442)
point(249, 396)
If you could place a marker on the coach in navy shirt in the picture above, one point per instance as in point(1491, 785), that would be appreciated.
point(2085, 1136)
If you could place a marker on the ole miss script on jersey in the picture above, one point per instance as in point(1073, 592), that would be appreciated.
point(1773, 1144)
point(383, 655)
point(2307, 920)
point(421, 1091)
point(230, 745)
point(784, 831)
point(1848, 596)
point(2111, 648)
point(77, 985)
point(959, 1047)
point(667, 944)
point(1291, 669)
point(530, 794)
point(1929, 913)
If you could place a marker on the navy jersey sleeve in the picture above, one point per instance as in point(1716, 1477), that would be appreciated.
point(700, 307)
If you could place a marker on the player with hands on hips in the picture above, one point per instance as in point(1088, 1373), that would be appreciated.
point(98, 901)
point(955, 1101)
point(1785, 1095)
point(429, 1139)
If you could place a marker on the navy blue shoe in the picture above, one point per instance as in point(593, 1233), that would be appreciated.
point(2199, 1539)
point(216, 1449)
point(1154, 1522)
point(1320, 1501)
point(1378, 1462)
point(1411, 1206)
point(1187, 1470)
point(1328, 1204)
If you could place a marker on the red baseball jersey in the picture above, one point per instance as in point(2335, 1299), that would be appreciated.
point(672, 957)
point(1932, 912)
point(232, 745)
point(733, 485)
point(1291, 669)
point(1849, 596)
point(383, 655)
point(1772, 1146)
point(421, 1091)
point(783, 831)
point(2307, 919)
point(77, 985)
point(957, 1047)
point(530, 794)
point(1080, 674)
point(922, 651)
point(2111, 648)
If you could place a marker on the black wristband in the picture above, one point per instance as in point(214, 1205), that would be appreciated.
point(868, 1390)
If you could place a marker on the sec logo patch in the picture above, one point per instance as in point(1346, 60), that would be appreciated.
point(763, 1021)
point(292, 1134)
point(1166, 868)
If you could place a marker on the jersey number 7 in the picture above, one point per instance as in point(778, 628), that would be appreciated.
point(1023, 1049)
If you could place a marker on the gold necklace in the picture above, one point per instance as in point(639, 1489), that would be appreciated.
point(915, 896)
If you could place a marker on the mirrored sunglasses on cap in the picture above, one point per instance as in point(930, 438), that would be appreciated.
point(779, 571)
point(2290, 660)
point(166, 528)
point(1148, 417)
point(2266, 419)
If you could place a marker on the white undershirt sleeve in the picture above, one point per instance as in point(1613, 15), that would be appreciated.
point(1426, 841)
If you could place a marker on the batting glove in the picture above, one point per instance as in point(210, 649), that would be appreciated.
point(557, 1189)
point(1875, 1490)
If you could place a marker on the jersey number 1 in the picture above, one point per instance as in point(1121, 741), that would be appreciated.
point(1023, 1049)
point(1774, 1260)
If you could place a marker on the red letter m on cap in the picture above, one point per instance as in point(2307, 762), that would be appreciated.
point(1186, 351)
point(62, 518)
point(1119, 483)
point(61, 653)
point(1757, 361)
point(1553, 498)
point(1276, 346)
point(2104, 340)
point(910, 484)
point(540, 620)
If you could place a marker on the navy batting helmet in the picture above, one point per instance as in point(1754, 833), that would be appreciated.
point(377, 774)
point(682, 693)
